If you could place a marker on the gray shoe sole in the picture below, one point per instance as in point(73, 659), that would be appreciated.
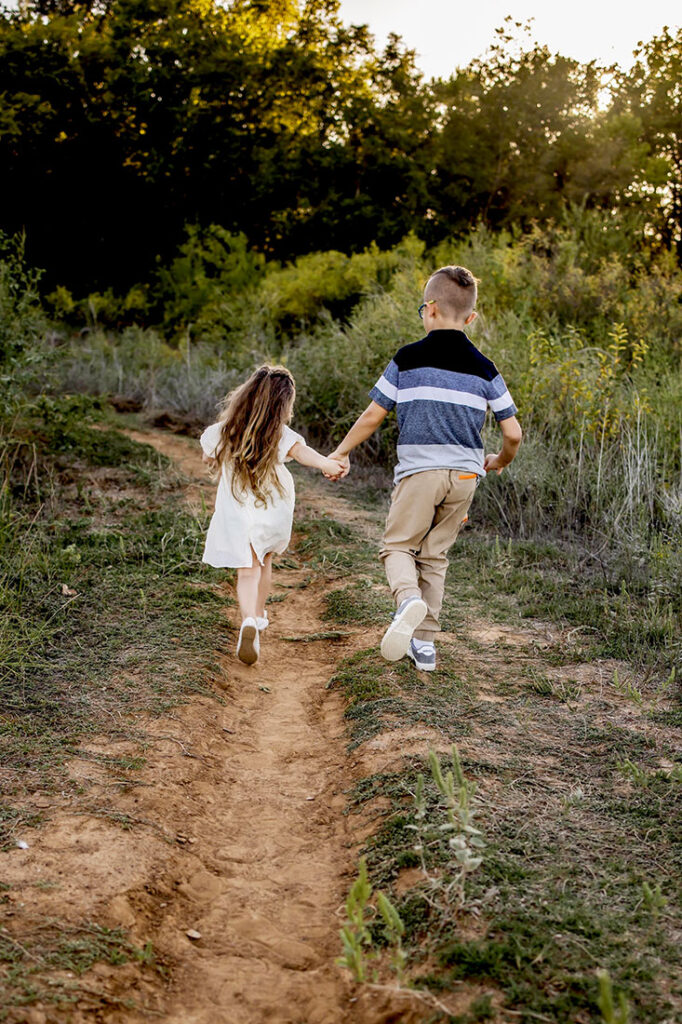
point(396, 640)
point(247, 651)
point(420, 666)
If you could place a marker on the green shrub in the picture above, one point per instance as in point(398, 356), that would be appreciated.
point(201, 289)
point(22, 322)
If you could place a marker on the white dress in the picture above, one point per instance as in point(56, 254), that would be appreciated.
point(238, 526)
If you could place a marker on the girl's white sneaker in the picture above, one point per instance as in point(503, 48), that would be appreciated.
point(262, 622)
point(248, 645)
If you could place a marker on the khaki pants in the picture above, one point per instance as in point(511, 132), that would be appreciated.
point(426, 513)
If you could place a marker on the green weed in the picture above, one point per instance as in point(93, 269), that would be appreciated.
point(37, 967)
point(628, 689)
point(356, 934)
point(379, 694)
point(610, 1012)
point(358, 603)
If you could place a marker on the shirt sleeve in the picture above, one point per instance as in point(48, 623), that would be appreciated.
point(210, 438)
point(385, 391)
point(500, 401)
point(287, 441)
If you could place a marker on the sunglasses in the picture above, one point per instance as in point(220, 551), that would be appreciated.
point(423, 306)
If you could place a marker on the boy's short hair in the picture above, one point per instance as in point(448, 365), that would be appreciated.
point(455, 289)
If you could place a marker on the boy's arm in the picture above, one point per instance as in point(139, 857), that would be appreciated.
point(307, 456)
point(511, 439)
point(364, 426)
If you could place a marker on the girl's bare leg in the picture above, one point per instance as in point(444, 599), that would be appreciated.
point(265, 584)
point(248, 585)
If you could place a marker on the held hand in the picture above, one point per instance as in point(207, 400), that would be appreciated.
point(210, 462)
point(344, 461)
point(492, 462)
point(332, 469)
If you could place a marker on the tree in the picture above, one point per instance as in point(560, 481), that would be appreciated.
point(651, 92)
point(514, 124)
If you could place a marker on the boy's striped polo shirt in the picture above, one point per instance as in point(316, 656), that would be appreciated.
point(442, 387)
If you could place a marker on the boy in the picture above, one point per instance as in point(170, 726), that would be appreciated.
point(441, 386)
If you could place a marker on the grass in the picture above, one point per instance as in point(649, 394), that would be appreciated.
point(78, 568)
point(106, 611)
point(333, 548)
point(561, 892)
point(360, 603)
point(511, 582)
point(46, 967)
point(521, 580)
point(582, 826)
point(381, 697)
point(581, 868)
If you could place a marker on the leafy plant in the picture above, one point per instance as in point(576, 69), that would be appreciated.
point(653, 899)
point(612, 1011)
point(465, 842)
point(356, 937)
point(394, 929)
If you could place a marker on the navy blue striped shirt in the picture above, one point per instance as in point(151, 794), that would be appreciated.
point(442, 387)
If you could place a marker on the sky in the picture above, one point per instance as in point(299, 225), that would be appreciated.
point(447, 34)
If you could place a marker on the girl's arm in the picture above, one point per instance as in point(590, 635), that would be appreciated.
point(309, 457)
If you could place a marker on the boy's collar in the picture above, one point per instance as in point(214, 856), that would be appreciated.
point(447, 330)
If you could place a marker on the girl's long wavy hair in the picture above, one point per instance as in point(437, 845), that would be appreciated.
point(251, 427)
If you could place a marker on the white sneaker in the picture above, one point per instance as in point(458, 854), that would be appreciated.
point(396, 639)
point(423, 654)
point(248, 645)
point(262, 622)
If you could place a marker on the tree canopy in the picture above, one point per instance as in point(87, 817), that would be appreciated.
point(123, 120)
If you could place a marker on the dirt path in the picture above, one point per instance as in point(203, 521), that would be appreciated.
point(265, 858)
point(237, 857)
point(264, 875)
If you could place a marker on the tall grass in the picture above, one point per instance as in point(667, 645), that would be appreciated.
point(583, 322)
point(139, 365)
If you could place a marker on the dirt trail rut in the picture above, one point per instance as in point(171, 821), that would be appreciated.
point(266, 852)
point(267, 875)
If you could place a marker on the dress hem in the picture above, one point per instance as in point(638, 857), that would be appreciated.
point(246, 565)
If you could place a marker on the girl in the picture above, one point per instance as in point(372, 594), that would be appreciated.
point(255, 502)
